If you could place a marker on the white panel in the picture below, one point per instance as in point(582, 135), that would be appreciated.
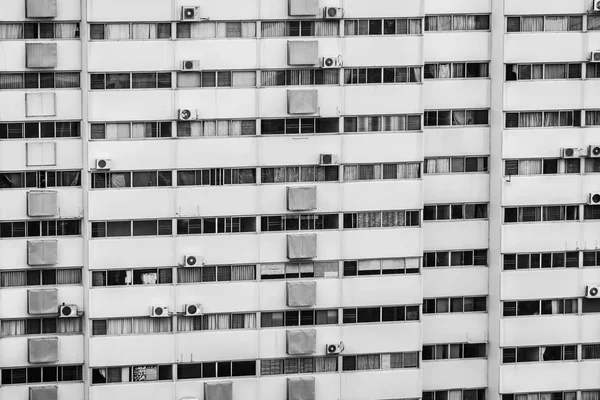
point(455, 328)
point(67, 10)
point(106, 105)
point(40, 104)
point(450, 374)
point(374, 99)
point(457, 188)
point(516, 7)
point(41, 153)
point(14, 303)
point(433, 7)
point(540, 330)
point(273, 102)
point(538, 189)
point(381, 242)
point(441, 94)
point(463, 140)
point(14, 252)
point(400, 383)
point(455, 281)
point(378, 9)
point(68, 390)
point(558, 282)
point(377, 290)
point(367, 50)
point(131, 10)
point(223, 53)
point(534, 377)
point(524, 95)
point(455, 235)
point(13, 154)
point(133, 55)
point(133, 349)
point(533, 47)
point(544, 236)
point(70, 200)
point(146, 390)
point(441, 46)
point(68, 49)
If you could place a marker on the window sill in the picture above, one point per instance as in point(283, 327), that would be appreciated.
point(454, 220)
point(454, 267)
point(456, 359)
point(456, 126)
point(457, 313)
point(486, 78)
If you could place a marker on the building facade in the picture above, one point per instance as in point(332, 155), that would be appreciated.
point(299, 199)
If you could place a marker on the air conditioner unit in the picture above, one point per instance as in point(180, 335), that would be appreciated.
point(327, 159)
point(594, 150)
point(190, 65)
point(193, 261)
point(334, 348)
point(189, 13)
point(596, 5)
point(570, 152)
point(193, 309)
point(67, 311)
point(333, 13)
point(186, 114)
point(592, 292)
point(595, 57)
point(103, 164)
point(331, 62)
point(159, 311)
point(594, 199)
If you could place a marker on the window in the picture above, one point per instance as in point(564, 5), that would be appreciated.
point(552, 395)
point(124, 228)
point(569, 259)
point(543, 71)
point(131, 326)
point(294, 77)
point(454, 304)
point(43, 30)
point(549, 23)
point(380, 361)
point(448, 212)
point(539, 307)
point(458, 394)
point(456, 117)
point(538, 119)
point(208, 29)
point(104, 180)
point(127, 80)
point(301, 173)
point(541, 213)
point(142, 373)
point(380, 314)
point(456, 70)
point(216, 128)
point(39, 80)
point(455, 258)
point(37, 326)
point(219, 273)
point(35, 130)
point(55, 373)
point(542, 166)
point(539, 353)
point(362, 172)
point(216, 177)
point(292, 126)
point(379, 219)
point(308, 269)
point(299, 28)
point(127, 130)
point(400, 26)
point(60, 227)
point(216, 225)
point(146, 276)
point(457, 23)
point(298, 318)
point(382, 123)
point(386, 266)
point(355, 76)
point(39, 179)
point(454, 351)
point(295, 222)
point(36, 277)
point(216, 79)
point(298, 365)
point(133, 31)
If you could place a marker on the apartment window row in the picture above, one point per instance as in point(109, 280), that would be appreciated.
point(103, 180)
point(538, 119)
point(446, 165)
point(40, 277)
point(539, 307)
point(364, 362)
point(459, 394)
point(216, 177)
point(216, 128)
point(37, 326)
point(550, 213)
point(293, 174)
point(526, 72)
point(445, 305)
point(446, 212)
point(357, 76)
point(295, 222)
point(217, 321)
point(36, 130)
point(298, 318)
point(219, 273)
point(455, 258)
point(364, 172)
point(550, 23)
point(385, 266)
point(140, 373)
point(454, 351)
point(150, 227)
point(366, 315)
point(303, 365)
point(303, 270)
point(131, 326)
point(299, 125)
point(195, 226)
point(541, 353)
point(130, 80)
point(133, 31)
point(374, 123)
point(375, 27)
point(585, 395)
point(121, 277)
point(131, 130)
point(295, 77)
point(299, 28)
point(456, 117)
point(55, 373)
point(208, 30)
point(42, 30)
point(545, 166)
point(457, 70)
point(59, 227)
point(39, 179)
point(439, 23)
point(381, 219)
point(39, 80)
point(561, 259)
point(217, 79)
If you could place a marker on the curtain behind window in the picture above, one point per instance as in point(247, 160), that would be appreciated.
point(68, 325)
point(68, 276)
point(530, 119)
point(65, 31)
point(13, 328)
point(14, 278)
point(248, 29)
point(326, 28)
point(204, 30)
point(273, 29)
point(556, 23)
point(143, 31)
point(244, 79)
point(532, 24)
point(243, 272)
point(11, 31)
point(117, 31)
